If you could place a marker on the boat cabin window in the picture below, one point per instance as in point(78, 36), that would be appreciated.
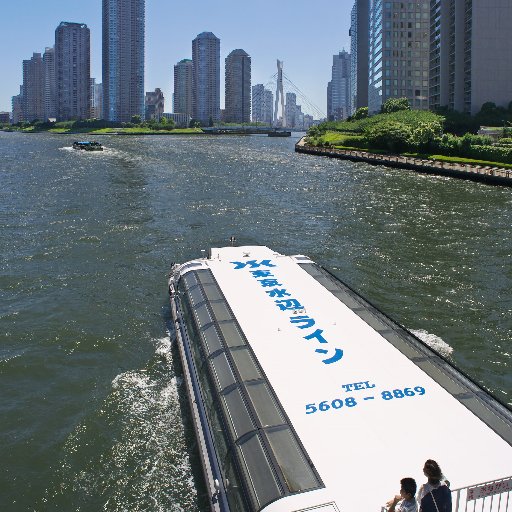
point(260, 455)
point(241, 422)
point(196, 296)
point(296, 469)
point(245, 364)
point(259, 471)
point(211, 339)
point(266, 408)
point(203, 315)
point(220, 310)
point(205, 276)
point(212, 292)
point(231, 334)
point(190, 279)
point(222, 371)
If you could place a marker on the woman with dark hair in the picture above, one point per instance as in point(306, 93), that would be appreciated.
point(435, 495)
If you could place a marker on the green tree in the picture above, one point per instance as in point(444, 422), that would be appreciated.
point(360, 113)
point(390, 135)
point(166, 124)
point(491, 115)
point(136, 119)
point(395, 105)
point(426, 135)
point(456, 122)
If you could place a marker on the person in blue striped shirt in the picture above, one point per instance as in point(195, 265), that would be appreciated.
point(405, 501)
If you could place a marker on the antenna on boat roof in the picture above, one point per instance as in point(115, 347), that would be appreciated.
point(232, 240)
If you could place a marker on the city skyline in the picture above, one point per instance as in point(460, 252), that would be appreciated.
point(305, 46)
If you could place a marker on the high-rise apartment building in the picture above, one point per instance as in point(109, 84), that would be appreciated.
point(299, 118)
point(359, 55)
point(399, 43)
point(50, 89)
point(262, 104)
point(238, 87)
point(96, 99)
point(123, 59)
point(290, 109)
point(72, 71)
point(183, 97)
point(32, 97)
point(206, 77)
point(338, 89)
point(308, 121)
point(154, 104)
point(268, 107)
point(470, 57)
point(17, 107)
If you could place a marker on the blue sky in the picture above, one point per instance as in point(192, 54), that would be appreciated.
point(304, 34)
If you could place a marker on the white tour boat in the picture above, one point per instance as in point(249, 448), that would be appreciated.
point(305, 397)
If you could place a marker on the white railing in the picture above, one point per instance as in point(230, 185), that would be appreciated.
point(492, 496)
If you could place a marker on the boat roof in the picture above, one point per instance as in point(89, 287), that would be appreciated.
point(401, 403)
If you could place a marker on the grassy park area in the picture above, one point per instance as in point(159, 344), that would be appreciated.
point(444, 136)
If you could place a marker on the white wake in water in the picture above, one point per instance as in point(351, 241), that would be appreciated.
point(140, 460)
point(434, 342)
point(153, 440)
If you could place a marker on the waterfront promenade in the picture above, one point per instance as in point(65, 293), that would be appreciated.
point(491, 175)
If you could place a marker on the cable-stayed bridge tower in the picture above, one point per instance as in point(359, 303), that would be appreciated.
point(279, 95)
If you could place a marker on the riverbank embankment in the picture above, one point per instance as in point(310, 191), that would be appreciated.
point(490, 175)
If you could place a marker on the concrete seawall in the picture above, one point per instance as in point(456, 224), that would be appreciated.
point(490, 175)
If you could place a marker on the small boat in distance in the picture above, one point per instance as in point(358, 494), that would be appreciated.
point(279, 133)
point(87, 145)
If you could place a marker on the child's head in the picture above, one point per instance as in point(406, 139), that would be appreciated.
point(408, 488)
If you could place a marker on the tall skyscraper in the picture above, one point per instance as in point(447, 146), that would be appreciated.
point(123, 59)
point(262, 104)
point(32, 98)
point(72, 64)
point(338, 91)
point(238, 87)
point(50, 84)
point(183, 97)
point(398, 53)
point(359, 55)
point(206, 77)
point(470, 57)
point(290, 109)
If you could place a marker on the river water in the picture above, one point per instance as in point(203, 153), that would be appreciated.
point(92, 415)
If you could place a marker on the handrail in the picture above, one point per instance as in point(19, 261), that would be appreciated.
point(491, 496)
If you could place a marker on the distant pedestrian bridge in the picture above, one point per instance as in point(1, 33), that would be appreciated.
point(248, 130)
